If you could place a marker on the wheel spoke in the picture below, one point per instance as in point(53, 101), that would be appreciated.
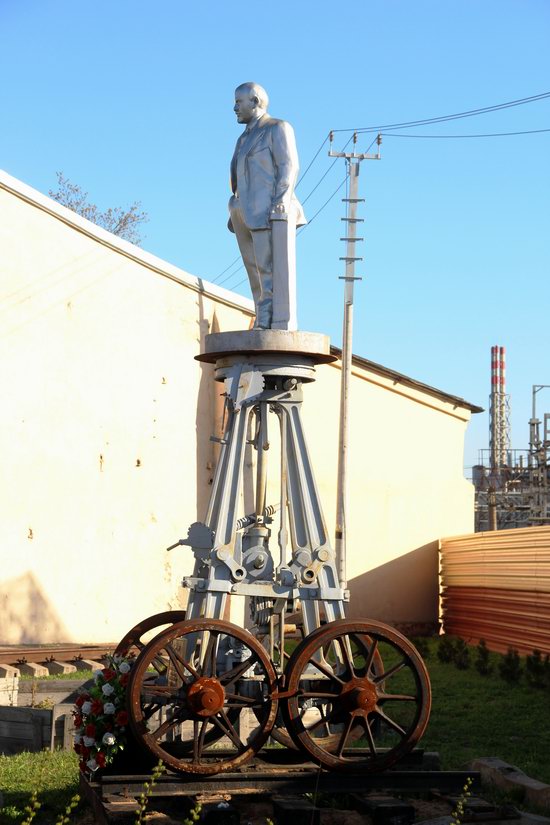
point(209, 661)
point(344, 645)
point(199, 740)
point(370, 738)
point(228, 730)
point(344, 738)
point(148, 691)
point(166, 725)
point(396, 697)
point(159, 665)
point(179, 663)
point(389, 673)
point(390, 722)
point(324, 720)
point(316, 694)
point(327, 671)
point(242, 701)
point(371, 652)
point(235, 673)
point(151, 710)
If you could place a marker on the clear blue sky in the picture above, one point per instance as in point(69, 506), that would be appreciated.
point(133, 100)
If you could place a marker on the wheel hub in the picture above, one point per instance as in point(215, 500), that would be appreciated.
point(206, 696)
point(359, 694)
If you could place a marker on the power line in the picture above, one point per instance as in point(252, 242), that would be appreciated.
point(469, 113)
point(231, 274)
point(225, 270)
point(446, 137)
point(310, 164)
point(321, 179)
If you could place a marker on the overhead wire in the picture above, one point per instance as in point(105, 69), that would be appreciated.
point(447, 137)
point(456, 116)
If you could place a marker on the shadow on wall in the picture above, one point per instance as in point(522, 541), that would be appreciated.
point(402, 592)
point(26, 615)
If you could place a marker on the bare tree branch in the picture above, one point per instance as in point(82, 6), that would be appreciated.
point(122, 222)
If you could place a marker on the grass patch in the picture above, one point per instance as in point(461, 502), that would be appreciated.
point(54, 776)
point(475, 715)
point(81, 675)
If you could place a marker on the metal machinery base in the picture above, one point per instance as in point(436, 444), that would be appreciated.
point(205, 694)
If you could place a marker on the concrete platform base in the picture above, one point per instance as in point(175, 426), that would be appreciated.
point(312, 345)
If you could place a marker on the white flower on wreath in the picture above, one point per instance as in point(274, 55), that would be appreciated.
point(77, 739)
point(108, 738)
point(107, 689)
point(97, 674)
point(124, 667)
point(89, 741)
point(86, 708)
point(108, 708)
point(92, 765)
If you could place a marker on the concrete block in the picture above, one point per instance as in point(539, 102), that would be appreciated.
point(9, 672)
point(533, 819)
point(59, 667)
point(496, 772)
point(385, 810)
point(88, 664)
point(9, 690)
point(33, 669)
point(295, 810)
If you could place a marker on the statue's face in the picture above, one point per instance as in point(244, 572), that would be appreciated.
point(244, 106)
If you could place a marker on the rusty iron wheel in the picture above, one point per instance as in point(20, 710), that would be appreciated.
point(210, 709)
point(135, 637)
point(329, 740)
point(134, 641)
point(345, 711)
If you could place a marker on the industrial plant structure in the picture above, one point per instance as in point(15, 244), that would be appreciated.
point(512, 486)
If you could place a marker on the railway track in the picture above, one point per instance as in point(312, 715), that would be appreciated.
point(21, 654)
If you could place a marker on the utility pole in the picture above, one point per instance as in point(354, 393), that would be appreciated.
point(353, 163)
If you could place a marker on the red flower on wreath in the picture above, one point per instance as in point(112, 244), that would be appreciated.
point(108, 674)
point(100, 759)
point(121, 718)
point(90, 730)
point(124, 679)
point(77, 720)
point(81, 699)
point(97, 707)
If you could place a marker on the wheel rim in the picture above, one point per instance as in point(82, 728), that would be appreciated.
point(346, 714)
point(135, 637)
point(206, 706)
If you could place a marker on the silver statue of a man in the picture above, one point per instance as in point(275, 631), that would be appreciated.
point(263, 209)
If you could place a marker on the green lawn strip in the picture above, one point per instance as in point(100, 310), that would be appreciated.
point(80, 675)
point(474, 715)
point(54, 776)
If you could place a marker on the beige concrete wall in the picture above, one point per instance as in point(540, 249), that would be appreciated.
point(105, 424)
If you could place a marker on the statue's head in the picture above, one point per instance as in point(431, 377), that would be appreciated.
point(251, 101)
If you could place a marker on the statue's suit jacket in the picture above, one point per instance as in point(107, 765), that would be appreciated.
point(264, 170)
